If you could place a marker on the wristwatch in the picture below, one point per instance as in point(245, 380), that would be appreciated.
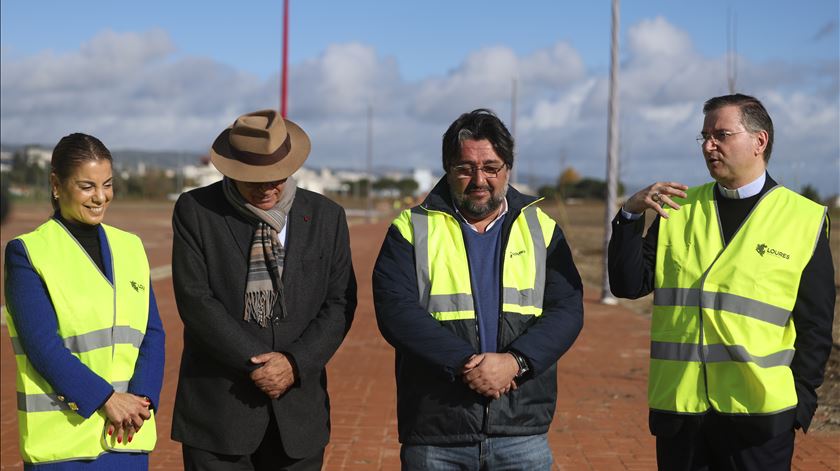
point(523, 365)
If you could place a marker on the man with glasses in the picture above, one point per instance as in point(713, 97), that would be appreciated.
point(744, 295)
point(477, 291)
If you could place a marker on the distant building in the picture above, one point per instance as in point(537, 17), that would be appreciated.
point(425, 180)
point(319, 181)
point(6, 161)
point(352, 175)
point(202, 174)
point(37, 155)
point(324, 180)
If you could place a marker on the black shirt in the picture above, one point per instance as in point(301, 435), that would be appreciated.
point(88, 237)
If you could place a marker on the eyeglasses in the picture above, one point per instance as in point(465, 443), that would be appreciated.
point(716, 137)
point(470, 170)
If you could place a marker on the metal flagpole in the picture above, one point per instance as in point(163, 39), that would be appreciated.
point(284, 73)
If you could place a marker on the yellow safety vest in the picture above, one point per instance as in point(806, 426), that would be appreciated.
point(722, 335)
point(101, 324)
point(443, 273)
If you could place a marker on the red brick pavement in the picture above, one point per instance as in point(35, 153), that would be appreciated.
point(601, 418)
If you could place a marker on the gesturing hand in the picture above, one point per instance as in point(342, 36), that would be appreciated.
point(276, 374)
point(490, 374)
point(655, 197)
point(126, 414)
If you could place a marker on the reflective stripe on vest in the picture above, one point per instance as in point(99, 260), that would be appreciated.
point(722, 335)
point(106, 339)
point(528, 300)
point(52, 401)
point(722, 302)
point(96, 339)
point(442, 268)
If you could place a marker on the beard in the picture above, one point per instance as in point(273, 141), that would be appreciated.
point(475, 209)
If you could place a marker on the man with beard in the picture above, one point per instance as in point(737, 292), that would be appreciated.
point(744, 295)
point(477, 292)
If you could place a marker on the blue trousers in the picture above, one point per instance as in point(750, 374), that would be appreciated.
point(493, 454)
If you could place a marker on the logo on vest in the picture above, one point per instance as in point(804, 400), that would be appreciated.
point(513, 254)
point(137, 286)
point(764, 249)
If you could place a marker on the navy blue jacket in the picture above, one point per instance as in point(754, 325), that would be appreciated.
point(434, 406)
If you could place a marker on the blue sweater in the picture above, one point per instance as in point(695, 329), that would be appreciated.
point(484, 277)
point(37, 327)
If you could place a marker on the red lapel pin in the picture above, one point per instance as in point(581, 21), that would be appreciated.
point(306, 218)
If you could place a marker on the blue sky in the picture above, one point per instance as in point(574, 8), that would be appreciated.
point(170, 75)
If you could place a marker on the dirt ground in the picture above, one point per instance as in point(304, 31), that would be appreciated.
point(601, 417)
point(583, 224)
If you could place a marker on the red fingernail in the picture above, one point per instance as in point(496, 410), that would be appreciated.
point(110, 432)
point(119, 439)
point(129, 439)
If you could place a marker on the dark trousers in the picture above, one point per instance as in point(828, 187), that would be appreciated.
point(269, 456)
point(712, 444)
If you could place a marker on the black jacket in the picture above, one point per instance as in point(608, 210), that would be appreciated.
point(434, 406)
point(217, 407)
point(631, 269)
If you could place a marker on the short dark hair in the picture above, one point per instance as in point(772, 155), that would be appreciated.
point(477, 125)
point(71, 152)
point(754, 116)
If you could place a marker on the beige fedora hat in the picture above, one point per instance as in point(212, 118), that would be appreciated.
point(260, 147)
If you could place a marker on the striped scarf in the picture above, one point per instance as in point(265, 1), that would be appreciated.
point(264, 284)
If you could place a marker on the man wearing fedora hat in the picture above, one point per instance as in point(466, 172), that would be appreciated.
point(265, 287)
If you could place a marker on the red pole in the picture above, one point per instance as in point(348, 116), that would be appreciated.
point(284, 71)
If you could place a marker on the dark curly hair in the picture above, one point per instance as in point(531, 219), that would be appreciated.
point(477, 125)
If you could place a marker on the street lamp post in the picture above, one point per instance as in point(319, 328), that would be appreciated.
point(612, 154)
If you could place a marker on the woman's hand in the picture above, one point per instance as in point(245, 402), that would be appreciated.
point(126, 414)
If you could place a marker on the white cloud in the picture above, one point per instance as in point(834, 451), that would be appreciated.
point(134, 90)
point(485, 79)
point(666, 117)
point(561, 113)
point(552, 67)
point(104, 61)
point(657, 40)
point(345, 79)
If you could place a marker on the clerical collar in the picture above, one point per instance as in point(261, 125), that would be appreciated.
point(750, 189)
